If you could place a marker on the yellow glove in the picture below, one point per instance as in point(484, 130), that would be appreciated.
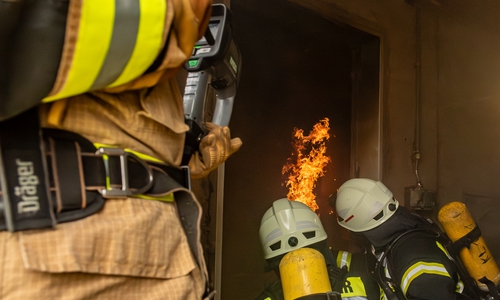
point(215, 148)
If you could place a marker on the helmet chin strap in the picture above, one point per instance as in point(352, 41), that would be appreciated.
point(382, 235)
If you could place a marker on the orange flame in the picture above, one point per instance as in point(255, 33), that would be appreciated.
point(307, 168)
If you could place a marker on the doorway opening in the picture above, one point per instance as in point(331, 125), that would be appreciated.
point(298, 67)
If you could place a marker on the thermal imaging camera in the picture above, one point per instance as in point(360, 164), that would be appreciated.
point(213, 72)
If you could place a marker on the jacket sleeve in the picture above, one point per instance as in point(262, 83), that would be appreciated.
point(423, 269)
point(428, 286)
point(187, 21)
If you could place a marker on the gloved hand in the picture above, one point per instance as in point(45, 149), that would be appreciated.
point(215, 148)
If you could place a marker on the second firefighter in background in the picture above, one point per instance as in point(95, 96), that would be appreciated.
point(291, 225)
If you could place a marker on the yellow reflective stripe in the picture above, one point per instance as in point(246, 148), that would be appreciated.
point(268, 298)
point(126, 25)
point(138, 154)
point(420, 268)
point(94, 36)
point(382, 294)
point(97, 35)
point(353, 287)
point(165, 198)
point(344, 259)
point(108, 180)
point(149, 40)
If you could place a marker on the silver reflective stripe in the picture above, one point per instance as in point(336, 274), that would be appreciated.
point(344, 259)
point(272, 235)
point(125, 30)
point(460, 287)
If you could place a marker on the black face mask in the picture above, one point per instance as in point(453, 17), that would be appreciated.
point(401, 221)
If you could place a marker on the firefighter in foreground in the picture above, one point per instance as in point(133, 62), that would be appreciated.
point(291, 226)
point(412, 262)
point(111, 69)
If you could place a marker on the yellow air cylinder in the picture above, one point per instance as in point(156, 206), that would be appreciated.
point(303, 272)
point(477, 259)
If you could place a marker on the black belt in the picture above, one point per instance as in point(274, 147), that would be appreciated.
point(76, 177)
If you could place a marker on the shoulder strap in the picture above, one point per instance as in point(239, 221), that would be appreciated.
point(337, 278)
point(390, 285)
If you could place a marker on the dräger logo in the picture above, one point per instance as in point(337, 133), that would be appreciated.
point(27, 189)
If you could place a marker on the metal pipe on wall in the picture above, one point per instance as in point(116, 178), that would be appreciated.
point(418, 88)
point(416, 197)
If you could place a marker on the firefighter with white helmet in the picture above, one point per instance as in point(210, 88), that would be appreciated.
point(415, 264)
point(288, 226)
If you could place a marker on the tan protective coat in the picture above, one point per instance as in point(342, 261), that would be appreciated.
point(132, 248)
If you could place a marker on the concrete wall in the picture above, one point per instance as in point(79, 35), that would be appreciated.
point(468, 110)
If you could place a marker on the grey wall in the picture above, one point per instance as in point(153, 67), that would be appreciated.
point(468, 111)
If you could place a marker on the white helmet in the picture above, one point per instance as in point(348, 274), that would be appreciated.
point(289, 225)
point(363, 204)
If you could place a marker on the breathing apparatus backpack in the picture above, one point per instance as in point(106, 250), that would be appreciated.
point(305, 276)
point(468, 247)
point(392, 288)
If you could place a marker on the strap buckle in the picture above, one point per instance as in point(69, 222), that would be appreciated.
point(125, 191)
point(187, 177)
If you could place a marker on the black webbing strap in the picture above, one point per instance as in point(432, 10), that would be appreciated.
point(70, 179)
point(337, 277)
point(78, 177)
point(192, 140)
point(493, 291)
point(322, 296)
point(25, 201)
point(464, 242)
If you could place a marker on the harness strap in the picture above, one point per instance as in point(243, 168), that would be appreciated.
point(67, 178)
point(338, 277)
point(25, 202)
point(80, 177)
point(493, 291)
point(465, 241)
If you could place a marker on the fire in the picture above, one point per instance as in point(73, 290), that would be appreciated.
point(308, 167)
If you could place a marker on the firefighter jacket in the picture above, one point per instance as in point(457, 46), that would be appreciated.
point(421, 268)
point(360, 282)
point(132, 248)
